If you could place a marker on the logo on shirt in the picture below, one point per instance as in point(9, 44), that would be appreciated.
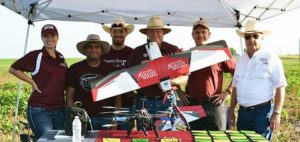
point(116, 62)
point(64, 64)
point(84, 81)
point(264, 60)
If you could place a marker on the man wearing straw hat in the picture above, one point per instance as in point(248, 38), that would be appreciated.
point(152, 95)
point(258, 78)
point(80, 73)
point(119, 52)
point(118, 55)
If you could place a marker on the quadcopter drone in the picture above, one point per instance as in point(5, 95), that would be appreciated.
point(175, 118)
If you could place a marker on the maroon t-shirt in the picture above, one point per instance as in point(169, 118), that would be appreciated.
point(139, 54)
point(117, 58)
point(208, 81)
point(79, 75)
point(50, 77)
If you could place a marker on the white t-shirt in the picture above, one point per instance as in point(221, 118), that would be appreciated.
point(257, 78)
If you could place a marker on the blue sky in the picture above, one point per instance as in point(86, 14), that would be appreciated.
point(285, 36)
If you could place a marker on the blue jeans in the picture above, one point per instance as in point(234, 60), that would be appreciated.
point(257, 120)
point(41, 120)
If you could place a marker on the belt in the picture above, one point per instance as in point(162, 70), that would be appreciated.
point(254, 107)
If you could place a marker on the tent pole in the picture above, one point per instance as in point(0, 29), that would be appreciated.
point(20, 88)
point(241, 45)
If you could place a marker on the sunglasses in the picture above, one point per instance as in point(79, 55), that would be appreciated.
point(117, 25)
point(255, 36)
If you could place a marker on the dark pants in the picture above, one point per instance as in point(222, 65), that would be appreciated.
point(256, 119)
point(215, 119)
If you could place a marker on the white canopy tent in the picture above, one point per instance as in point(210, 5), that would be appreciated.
point(219, 13)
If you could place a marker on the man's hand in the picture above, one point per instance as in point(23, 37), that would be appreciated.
point(183, 96)
point(218, 99)
point(275, 121)
point(35, 87)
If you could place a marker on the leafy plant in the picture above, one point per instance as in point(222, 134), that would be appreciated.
point(8, 95)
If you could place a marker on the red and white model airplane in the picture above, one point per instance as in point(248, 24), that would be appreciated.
point(159, 69)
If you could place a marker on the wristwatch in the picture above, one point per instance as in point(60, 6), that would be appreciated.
point(276, 111)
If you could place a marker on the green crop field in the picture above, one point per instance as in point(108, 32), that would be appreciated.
point(290, 118)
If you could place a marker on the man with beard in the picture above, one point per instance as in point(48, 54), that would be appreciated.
point(119, 52)
point(118, 55)
point(80, 74)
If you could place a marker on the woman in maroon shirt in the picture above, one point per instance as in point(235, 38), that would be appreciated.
point(48, 70)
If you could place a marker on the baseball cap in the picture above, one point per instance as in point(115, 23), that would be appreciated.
point(49, 29)
point(203, 23)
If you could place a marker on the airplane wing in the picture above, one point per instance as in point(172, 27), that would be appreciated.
point(154, 71)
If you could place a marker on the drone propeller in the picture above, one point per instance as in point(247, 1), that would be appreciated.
point(109, 125)
point(115, 112)
point(121, 119)
point(112, 107)
point(164, 112)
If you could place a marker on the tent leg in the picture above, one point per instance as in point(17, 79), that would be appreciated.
point(241, 45)
point(19, 89)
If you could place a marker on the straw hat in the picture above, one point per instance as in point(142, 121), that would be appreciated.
point(119, 23)
point(93, 38)
point(155, 23)
point(250, 27)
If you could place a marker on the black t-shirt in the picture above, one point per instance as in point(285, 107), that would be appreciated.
point(117, 58)
point(79, 76)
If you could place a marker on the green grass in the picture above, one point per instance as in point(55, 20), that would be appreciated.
point(4, 75)
point(290, 122)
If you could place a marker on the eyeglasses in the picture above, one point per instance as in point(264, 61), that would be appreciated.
point(255, 36)
point(117, 25)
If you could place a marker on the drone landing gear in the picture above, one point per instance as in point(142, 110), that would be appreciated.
point(146, 121)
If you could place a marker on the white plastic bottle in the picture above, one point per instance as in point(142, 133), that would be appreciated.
point(76, 128)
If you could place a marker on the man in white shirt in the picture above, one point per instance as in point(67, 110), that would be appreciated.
point(259, 76)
